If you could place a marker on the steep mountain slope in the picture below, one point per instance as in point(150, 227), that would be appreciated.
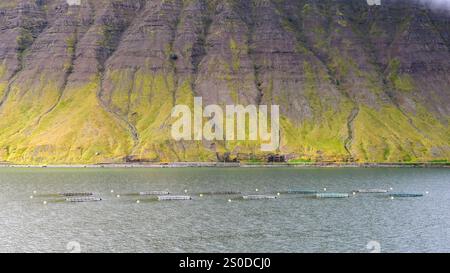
point(97, 82)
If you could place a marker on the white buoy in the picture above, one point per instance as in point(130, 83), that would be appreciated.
point(185, 191)
point(391, 188)
point(201, 195)
point(354, 193)
point(45, 202)
point(392, 197)
point(324, 189)
point(118, 196)
point(229, 200)
point(112, 191)
point(31, 197)
point(34, 192)
point(427, 192)
point(257, 190)
point(279, 194)
point(138, 202)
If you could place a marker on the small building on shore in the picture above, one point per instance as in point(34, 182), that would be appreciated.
point(277, 158)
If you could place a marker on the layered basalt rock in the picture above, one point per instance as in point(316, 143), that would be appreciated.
point(96, 82)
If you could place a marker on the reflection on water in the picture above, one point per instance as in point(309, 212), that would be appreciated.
point(291, 223)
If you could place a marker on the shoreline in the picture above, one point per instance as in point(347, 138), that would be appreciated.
point(232, 165)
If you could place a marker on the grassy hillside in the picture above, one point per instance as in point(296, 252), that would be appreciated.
point(96, 83)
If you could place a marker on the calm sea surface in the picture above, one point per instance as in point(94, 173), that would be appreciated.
point(291, 223)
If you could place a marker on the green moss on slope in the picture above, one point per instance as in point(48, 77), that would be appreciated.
point(319, 140)
point(400, 81)
point(386, 135)
point(335, 106)
point(3, 82)
point(78, 130)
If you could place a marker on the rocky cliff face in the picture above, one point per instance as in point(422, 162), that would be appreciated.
point(97, 82)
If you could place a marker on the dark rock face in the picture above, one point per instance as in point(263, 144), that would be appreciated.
point(19, 24)
point(97, 82)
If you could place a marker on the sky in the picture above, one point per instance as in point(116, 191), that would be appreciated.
point(73, 2)
point(438, 4)
point(434, 3)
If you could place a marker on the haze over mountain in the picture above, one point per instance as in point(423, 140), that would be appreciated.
point(97, 82)
point(437, 4)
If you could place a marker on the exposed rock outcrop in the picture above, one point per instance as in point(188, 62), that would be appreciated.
point(96, 82)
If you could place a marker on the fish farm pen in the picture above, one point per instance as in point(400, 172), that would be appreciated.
point(83, 199)
point(372, 191)
point(299, 192)
point(406, 195)
point(258, 197)
point(154, 193)
point(173, 197)
point(157, 195)
point(332, 195)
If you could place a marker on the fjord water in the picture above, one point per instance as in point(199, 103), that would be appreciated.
point(292, 223)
